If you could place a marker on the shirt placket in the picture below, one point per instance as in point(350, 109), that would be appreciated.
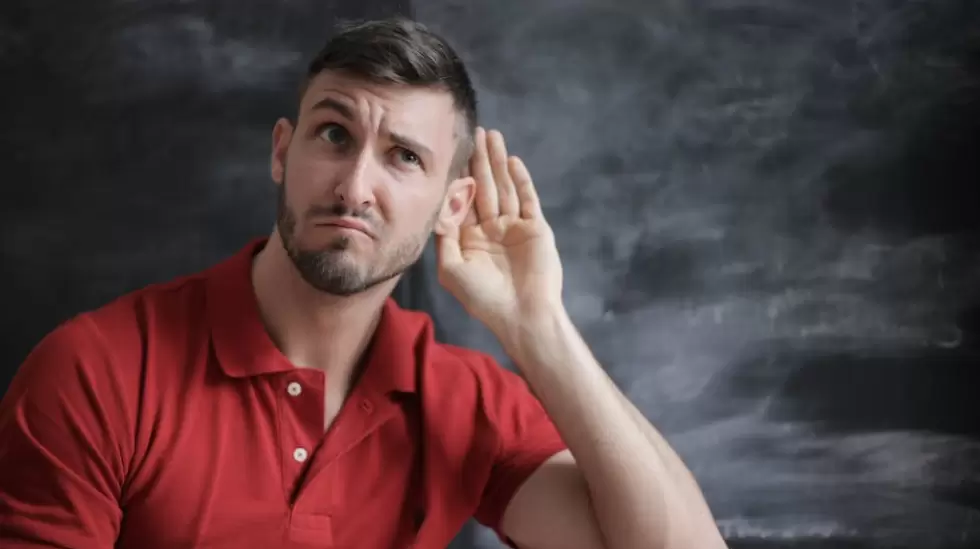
point(301, 406)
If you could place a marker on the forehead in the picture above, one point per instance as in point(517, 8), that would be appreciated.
point(422, 112)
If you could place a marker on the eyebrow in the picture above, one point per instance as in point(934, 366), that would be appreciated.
point(332, 104)
point(329, 103)
point(409, 143)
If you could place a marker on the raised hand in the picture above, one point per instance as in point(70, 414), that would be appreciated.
point(501, 263)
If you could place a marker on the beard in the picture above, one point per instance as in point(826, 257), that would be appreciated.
point(333, 269)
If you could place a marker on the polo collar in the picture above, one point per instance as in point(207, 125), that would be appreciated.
point(243, 347)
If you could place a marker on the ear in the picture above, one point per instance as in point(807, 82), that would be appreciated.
point(282, 134)
point(456, 205)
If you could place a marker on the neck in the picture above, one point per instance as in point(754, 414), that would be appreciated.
point(313, 329)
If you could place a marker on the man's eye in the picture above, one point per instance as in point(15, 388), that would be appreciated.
point(334, 133)
point(408, 157)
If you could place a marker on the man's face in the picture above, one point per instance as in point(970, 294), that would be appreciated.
point(363, 178)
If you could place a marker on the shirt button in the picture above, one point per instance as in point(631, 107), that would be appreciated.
point(300, 454)
point(294, 389)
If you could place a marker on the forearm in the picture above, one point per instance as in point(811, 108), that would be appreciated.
point(642, 493)
point(691, 503)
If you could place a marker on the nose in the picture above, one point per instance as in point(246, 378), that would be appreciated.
point(355, 188)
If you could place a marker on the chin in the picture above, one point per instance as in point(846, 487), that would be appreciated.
point(322, 242)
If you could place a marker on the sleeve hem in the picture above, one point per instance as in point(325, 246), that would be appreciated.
point(495, 504)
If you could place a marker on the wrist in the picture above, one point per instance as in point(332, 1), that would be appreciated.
point(537, 334)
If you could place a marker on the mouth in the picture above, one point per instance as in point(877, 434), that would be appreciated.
point(349, 224)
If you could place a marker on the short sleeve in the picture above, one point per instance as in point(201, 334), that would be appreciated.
point(61, 459)
point(527, 438)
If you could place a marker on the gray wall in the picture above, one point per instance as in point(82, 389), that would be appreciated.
point(766, 212)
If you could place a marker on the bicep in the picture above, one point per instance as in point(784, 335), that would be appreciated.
point(60, 468)
point(552, 509)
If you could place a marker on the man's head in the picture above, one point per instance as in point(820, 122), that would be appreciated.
point(373, 160)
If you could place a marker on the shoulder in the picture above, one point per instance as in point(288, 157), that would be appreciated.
point(77, 396)
point(175, 297)
point(479, 367)
point(455, 373)
point(110, 341)
point(499, 398)
point(163, 311)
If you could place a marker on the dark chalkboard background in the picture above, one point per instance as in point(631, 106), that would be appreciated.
point(767, 211)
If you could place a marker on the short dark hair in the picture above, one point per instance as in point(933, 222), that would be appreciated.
point(397, 50)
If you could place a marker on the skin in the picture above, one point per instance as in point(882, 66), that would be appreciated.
point(350, 159)
point(619, 485)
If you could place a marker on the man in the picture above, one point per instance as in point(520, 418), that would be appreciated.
point(281, 399)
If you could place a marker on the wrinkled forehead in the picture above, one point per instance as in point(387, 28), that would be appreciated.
point(420, 112)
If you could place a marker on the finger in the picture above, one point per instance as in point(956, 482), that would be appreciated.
point(506, 194)
point(530, 205)
point(487, 206)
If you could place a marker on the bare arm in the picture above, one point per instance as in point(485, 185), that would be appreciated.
point(621, 486)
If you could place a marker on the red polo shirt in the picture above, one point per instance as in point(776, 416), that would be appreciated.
point(168, 419)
